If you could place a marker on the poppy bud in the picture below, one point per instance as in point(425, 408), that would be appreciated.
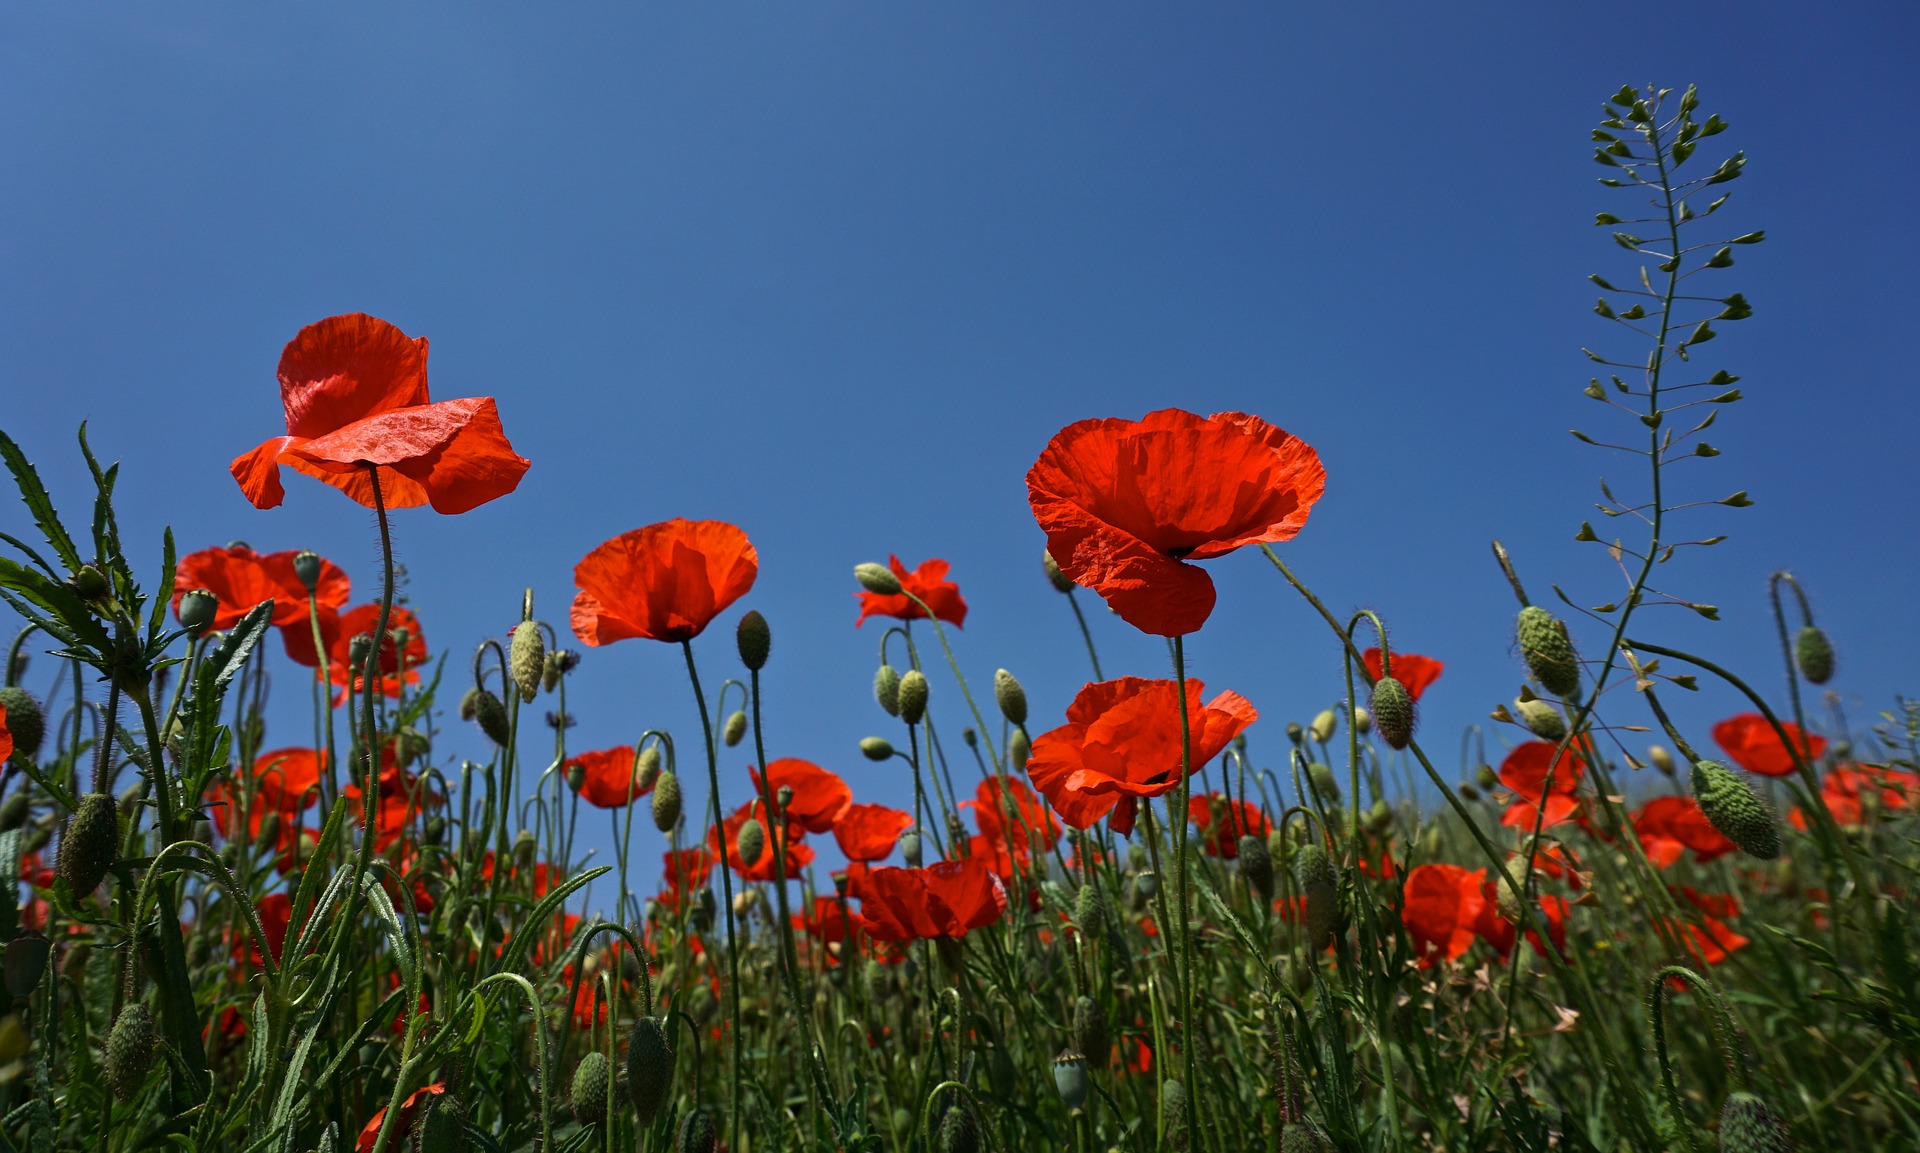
point(877, 578)
point(959, 1129)
point(90, 583)
point(876, 748)
point(1486, 777)
point(744, 901)
point(697, 1134)
point(576, 776)
point(527, 658)
point(735, 729)
point(1019, 748)
point(1323, 726)
point(359, 649)
point(1661, 758)
point(1380, 817)
point(1173, 1113)
point(910, 847)
point(1090, 1031)
point(470, 704)
point(435, 831)
point(524, 848)
point(1549, 654)
point(1467, 791)
point(1256, 865)
point(1542, 719)
point(1393, 712)
point(1313, 872)
point(15, 811)
point(1302, 1137)
point(1732, 807)
point(1815, 654)
point(913, 696)
point(590, 1085)
point(24, 719)
point(751, 841)
point(970, 738)
point(1012, 698)
point(1089, 911)
point(130, 1051)
point(1362, 720)
point(1055, 577)
point(666, 802)
point(886, 689)
point(649, 1068)
point(440, 1126)
point(1147, 885)
point(704, 907)
point(492, 716)
point(754, 640)
point(647, 770)
point(306, 567)
point(1324, 783)
point(90, 845)
point(197, 610)
point(1070, 1078)
point(24, 963)
point(1748, 1126)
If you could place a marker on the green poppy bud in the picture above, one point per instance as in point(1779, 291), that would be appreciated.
point(1748, 1126)
point(590, 1086)
point(90, 583)
point(90, 845)
point(959, 1129)
point(1314, 873)
point(735, 729)
point(886, 689)
point(1362, 720)
point(1486, 777)
point(697, 1134)
point(306, 566)
point(25, 720)
point(1071, 1079)
point(1012, 698)
point(1320, 775)
point(1055, 577)
point(1661, 758)
point(1173, 1113)
point(1393, 712)
point(1548, 651)
point(1542, 719)
point(1295, 732)
point(1302, 1137)
point(1814, 652)
point(877, 578)
point(1324, 725)
point(527, 659)
point(910, 848)
point(1019, 749)
point(754, 640)
point(1089, 910)
point(876, 748)
point(913, 696)
point(440, 1126)
point(666, 802)
point(1090, 1031)
point(1467, 791)
point(1256, 865)
point(649, 1068)
point(524, 848)
point(751, 841)
point(131, 1047)
point(1732, 807)
point(492, 715)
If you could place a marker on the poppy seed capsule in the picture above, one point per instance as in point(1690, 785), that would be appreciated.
point(1748, 1126)
point(1055, 577)
point(441, 1126)
point(1011, 697)
point(1542, 719)
point(910, 848)
point(1549, 654)
point(696, 1133)
point(1393, 712)
point(735, 729)
point(1814, 652)
point(590, 1085)
point(1070, 1078)
point(1320, 775)
point(877, 578)
point(666, 802)
point(1732, 807)
point(751, 841)
point(649, 1068)
point(527, 659)
point(25, 720)
point(130, 1051)
point(492, 716)
point(15, 811)
point(306, 567)
point(90, 845)
point(754, 640)
point(913, 696)
point(959, 1129)
point(198, 607)
point(876, 748)
point(886, 689)
point(1256, 865)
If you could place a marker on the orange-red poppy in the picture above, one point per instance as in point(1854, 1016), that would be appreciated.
point(402, 795)
point(1670, 826)
point(798, 853)
point(682, 874)
point(1125, 504)
point(1525, 771)
point(1410, 669)
point(1849, 788)
point(608, 777)
point(355, 392)
point(1753, 745)
point(6, 737)
point(869, 832)
point(949, 899)
point(241, 579)
point(401, 656)
point(1222, 823)
point(928, 582)
point(835, 928)
point(275, 911)
point(401, 1123)
point(1712, 940)
point(664, 582)
point(1121, 742)
point(1499, 932)
point(288, 779)
point(1441, 907)
point(819, 796)
point(1014, 826)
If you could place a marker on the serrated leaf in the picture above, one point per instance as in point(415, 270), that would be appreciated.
point(39, 502)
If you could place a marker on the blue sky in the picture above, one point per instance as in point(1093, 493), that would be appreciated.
point(836, 272)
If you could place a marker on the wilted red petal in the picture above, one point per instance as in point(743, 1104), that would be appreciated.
point(664, 582)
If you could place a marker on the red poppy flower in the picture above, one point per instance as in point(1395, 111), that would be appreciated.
point(1014, 826)
point(1125, 504)
point(1525, 771)
point(664, 582)
point(949, 899)
point(819, 796)
point(1410, 669)
point(1122, 742)
point(1222, 823)
point(798, 853)
point(1712, 941)
point(1499, 932)
point(6, 738)
point(241, 579)
point(1441, 908)
point(928, 582)
point(869, 832)
point(1850, 788)
point(1669, 826)
point(289, 779)
point(401, 796)
point(402, 1123)
point(355, 392)
point(835, 928)
point(1753, 745)
point(401, 656)
point(609, 780)
point(682, 874)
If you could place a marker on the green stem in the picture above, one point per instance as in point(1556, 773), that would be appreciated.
point(1177, 827)
point(726, 890)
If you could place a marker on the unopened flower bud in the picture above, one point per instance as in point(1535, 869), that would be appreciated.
point(1295, 732)
point(131, 1047)
point(1814, 653)
point(697, 1134)
point(1747, 1125)
point(784, 797)
point(1055, 577)
point(666, 802)
point(1091, 1033)
point(306, 566)
point(959, 1129)
point(1314, 873)
point(735, 730)
point(877, 578)
point(876, 748)
point(754, 640)
point(751, 841)
point(1323, 726)
point(492, 715)
point(91, 844)
point(1549, 654)
point(1467, 791)
point(913, 696)
point(24, 719)
point(441, 1126)
point(1661, 759)
point(1486, 777)
point(591, 1084)
point(910, 847)
point(1012, 698)
point(1732, 807)
point(1393, 712)
point(970, 738)
point(359, 649)
point(1542, 719)
point(527, 659)
point(1320, 775)
point(646, 770)
point(1362, 720)
point(649, 1068)
point(90, 583)
point(1256, 865)
point(886, 689)
point(24, 962)
point(1019, 748)
point(197, 610)
point(15, 810)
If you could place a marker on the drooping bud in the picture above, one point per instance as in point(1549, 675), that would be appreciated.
point(751, 841)
point(649, 1068)
point(25, 720)
point(1070, 1078)
point(1295, 732)
point(1012, 698)
point(735, 730)
point(470, 704)
point(666, 802)
point(1019, 748)
point(1320, 774)
point(970, 738)
point(1485, 777)
point(198, 607)
point(306, 567)
point(492, 715)
point(876, 748)
point(90, 844)
point(1393, 712)
point(959, 1129)
point(590, 1085)
point(1548, 651)
point(877, 578)
point(1313, 872)
point(1814, 652)
point(1256, 865)
point(697, 1134)
point(1324, 725)
point(1090, 1031)
point(1468, 791)
point(1748, 1126)
point(704, 909)
point(440, 1126)
point(1380, 816)
point(527, 659)
point(913, 696)
point(1055, 577)
point(1661, 758)
point(886, 689)
point(754, 640)
point(1542, 719)
point(525, 848)
point(646, 770)
point(131, 1047)
point(1732, 807)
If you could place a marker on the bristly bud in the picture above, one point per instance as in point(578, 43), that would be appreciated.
point(913, 696)
point(754, 639)
point(440, 1126)
point(1732, 807)
point(25, 720)
point(306, 566)
point(470, 704)
point(1019, 749)
point(1362, 720)
point(1089, 911)
point(1542, 719)
point(198, 607)
point(970, 738)
point(1393, 712)
point(590, 1086)
point(131, 1047)
point(1256, 865)
point(697, 1134)
point(1090, 1032)
point(1302, 1137)
point(1173, 1113)
point(1320, 776)
point(877, 578)
point(1070, 1078)
point(1548, 651)
point(527, 659)
point(1055, 577)
point(492, 715)
point(525, 848)
point(1814, 652)
point(649, 1068)
point(1323, 726)
point(876, 748)
point(886, 689)
point(735, 730)
point(1012, 698)
point(1748, 1126)
point(1313, 872)
point(1661, 759)
point(90, 845)
point(646, 771)
point(751, 841)
point(959, 1129)
point(666, 802)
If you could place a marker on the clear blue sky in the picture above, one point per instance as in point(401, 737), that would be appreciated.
point(836, 272)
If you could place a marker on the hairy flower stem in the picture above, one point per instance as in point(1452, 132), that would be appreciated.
point(370, 682)
point(726, 891)
point(1086, 635)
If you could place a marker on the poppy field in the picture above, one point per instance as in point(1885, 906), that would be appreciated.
point(1142, 925)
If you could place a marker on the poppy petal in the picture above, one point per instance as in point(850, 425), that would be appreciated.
point(346, 368)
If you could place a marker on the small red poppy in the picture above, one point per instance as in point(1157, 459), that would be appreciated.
point(869, 832)
point(928, 582)
point(1669, 826)
point(798, 853)
point(1525, 771)
point(835, 928)
point(402, 795)
point(608, 777)
point(1410, 669)
point(401, 656)
point(1014, 825)
point(1125, 504)
point(819, 796)
point(664, 582)
point(1222, 823)
point(1753, 745)
point(241, 579)
point(949, 899)
point(1441, 907)
point(1849, 788)
point(682, 874)
point(355, 393)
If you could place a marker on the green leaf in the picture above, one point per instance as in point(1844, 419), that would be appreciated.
point(1600, 156)
point(60, 602)
point(156, 623)
point(1594, 390)
point(1729, 169)
point(39, 503)
point(1601, 281)
point(529, 929)
point(1714, 126)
